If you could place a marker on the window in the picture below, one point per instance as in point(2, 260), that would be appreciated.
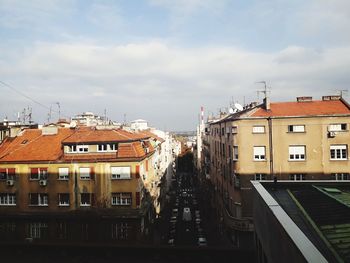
point(7, 173)
point(102, 148)
point(297, 177)
point(36, 199)
point(113, 147)
point(341, 176)
point(61, 230)
point(82, 148)
point(259, 153)
point(223, 131)
point(120, 231)
point(120, 173)
point(234, 129)
point(259, 177)
point(337, 127)
point(38, 174)
point(338, 152)
point(85, 199)
point(235, 152)
point(7, 199)
point(63, 173)
point(259, 129)
point(63, 199)
point(296, 128)
point(72, 148)
point(237, 181)
point(38, 230)
point(84, 173)
point(121, 198)
point(296, 153)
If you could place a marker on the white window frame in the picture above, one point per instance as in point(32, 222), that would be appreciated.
point(85, 173)
point(113, 147)
point(259, 129)
point(43, 199)
point(7, 199)
point(234, 129)
point(120, 172)
point(297, 153)
point(72, 148)
point(85, 203)
point(121, 199)
point(62, 202)
point(259, 177)
point(235, 153)
point(35, 229)
point(297, 177)
point(81, 148)
point(63, 173)
point(337, 127)
point(296, 128)
point(341, 176)
point(339, 149)
point(259, 153)
point(102, 147)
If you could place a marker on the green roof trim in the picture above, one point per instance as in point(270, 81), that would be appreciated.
point(316, 228)
point(332, 190)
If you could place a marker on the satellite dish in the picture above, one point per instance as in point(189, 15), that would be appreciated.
point(231, 110)
point(238, 106)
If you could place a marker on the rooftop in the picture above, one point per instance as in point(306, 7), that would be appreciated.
point(321, 211)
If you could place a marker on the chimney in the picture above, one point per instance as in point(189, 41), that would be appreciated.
point(304, 99)
point(267, 103)
point(331, 97)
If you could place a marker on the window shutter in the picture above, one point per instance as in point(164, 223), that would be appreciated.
point(43, 169)
point(11, 171)
point(137, 171)
point(92, 173)
point(2, 170)
point(137, 198)
point(34, 171)
point(146, 165)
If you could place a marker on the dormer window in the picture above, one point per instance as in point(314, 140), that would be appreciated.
point(72, 148)
point(102, 147)
point(113, 147)
point(82, 148)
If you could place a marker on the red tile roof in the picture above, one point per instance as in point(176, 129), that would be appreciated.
point(91, 135)
point(151, 135)
point(310, 108)
point(33, 146)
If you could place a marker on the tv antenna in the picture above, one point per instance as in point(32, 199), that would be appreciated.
point(265, 91)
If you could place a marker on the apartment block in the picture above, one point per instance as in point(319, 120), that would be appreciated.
point(302, 140)
point(77, 184)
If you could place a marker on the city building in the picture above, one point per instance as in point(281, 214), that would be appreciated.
point(302, 140)
point(301, 221)
point(76, 184)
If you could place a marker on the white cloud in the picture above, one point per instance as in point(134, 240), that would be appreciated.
point(153, 79)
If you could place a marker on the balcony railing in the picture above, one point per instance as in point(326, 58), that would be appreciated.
point(241, 224)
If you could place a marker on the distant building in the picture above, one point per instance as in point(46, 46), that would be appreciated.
point(139, 125)
point(12, 128)
point(302, 221)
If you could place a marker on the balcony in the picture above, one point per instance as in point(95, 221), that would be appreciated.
point(240, 224)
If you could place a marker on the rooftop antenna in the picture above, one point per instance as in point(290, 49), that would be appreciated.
point(265, 91)
point(59, 110)
point(124, 118)
point(342, 91)
point(49, 115)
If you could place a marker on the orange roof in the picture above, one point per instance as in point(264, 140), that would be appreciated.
point(90, 135)
point(127, 150)
point(33, 146)
point(152, 135)
point(310, 108)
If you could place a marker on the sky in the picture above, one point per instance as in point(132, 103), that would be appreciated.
point(161, 60)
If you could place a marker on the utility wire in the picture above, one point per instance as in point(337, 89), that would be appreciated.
point(29, 98)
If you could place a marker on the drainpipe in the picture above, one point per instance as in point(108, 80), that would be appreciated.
point(76, 189)
point(269, 120)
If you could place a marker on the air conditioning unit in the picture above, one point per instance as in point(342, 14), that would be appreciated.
point(43, 182)
point(331, 134)
point(10, 182)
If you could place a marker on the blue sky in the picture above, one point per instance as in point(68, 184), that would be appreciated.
point(161, 60)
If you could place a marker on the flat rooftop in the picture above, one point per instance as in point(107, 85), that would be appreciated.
point(321, 210)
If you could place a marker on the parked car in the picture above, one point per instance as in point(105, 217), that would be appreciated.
point(202, 242)
point(186, 216)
